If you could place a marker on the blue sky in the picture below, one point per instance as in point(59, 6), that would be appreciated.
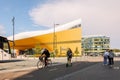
point(20, 10)
point(99, 17)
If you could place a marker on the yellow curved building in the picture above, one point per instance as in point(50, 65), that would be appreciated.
point(59, 38)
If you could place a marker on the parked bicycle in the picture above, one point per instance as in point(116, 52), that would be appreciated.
point(41, 63)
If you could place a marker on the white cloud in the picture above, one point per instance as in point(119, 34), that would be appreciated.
point(2, 30)
point(98, 16)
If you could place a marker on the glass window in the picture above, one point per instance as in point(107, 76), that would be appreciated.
point(96, 39)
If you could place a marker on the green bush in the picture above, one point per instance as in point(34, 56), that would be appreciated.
point(36, 54)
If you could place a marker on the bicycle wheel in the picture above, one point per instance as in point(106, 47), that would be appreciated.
point(40, 65)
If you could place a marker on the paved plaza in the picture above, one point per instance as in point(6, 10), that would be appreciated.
point(95, 71)
point(23, 63)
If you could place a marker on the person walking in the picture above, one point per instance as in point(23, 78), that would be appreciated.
point(69, 57)
point(111, 58)
point(105, 56)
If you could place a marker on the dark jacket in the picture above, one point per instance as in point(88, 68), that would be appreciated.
point(69, 53)
point(46, 52)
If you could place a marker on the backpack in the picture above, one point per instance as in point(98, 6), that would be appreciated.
point(69, 54)
point(111, 55)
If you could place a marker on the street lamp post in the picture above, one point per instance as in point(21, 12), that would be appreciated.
point(13, 22)
point(54, 39)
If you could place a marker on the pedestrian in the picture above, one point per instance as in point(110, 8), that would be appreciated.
point(105, 56)
point(111, 58)
point(69, 57)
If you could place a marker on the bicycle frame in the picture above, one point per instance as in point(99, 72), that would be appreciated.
point(41, 63)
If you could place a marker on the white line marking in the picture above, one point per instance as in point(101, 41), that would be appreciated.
point(53, 69)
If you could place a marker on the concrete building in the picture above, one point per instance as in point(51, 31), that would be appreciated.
point(95, 44)
point(57, 38)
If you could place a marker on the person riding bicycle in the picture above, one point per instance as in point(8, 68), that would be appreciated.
point(46, 54)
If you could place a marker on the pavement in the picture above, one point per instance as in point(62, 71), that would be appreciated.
point(94, 72)
point(26, 63)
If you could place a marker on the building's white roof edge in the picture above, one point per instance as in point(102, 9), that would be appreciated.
point(41, 32)
point(87, 36)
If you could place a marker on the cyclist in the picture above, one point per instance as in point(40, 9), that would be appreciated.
point(46, 54)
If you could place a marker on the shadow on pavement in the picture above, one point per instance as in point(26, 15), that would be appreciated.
point(7, 61)
point(51, 73)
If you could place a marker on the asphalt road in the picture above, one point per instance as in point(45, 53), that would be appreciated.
point(52, 73)
point(83, 70)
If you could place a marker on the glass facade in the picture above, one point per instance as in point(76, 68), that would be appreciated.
point(95, 44)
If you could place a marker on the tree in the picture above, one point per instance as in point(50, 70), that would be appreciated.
point(37, 49)
point(53, 54)
point(76, 52)
point(56, 51)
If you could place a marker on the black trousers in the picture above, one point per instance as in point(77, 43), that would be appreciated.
point(46, 58)
point(111, 61)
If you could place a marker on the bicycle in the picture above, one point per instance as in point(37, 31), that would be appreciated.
point(41, 63)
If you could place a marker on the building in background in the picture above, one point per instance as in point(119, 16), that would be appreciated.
point(5, 53)
point(95, 44)
point(56, 39)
